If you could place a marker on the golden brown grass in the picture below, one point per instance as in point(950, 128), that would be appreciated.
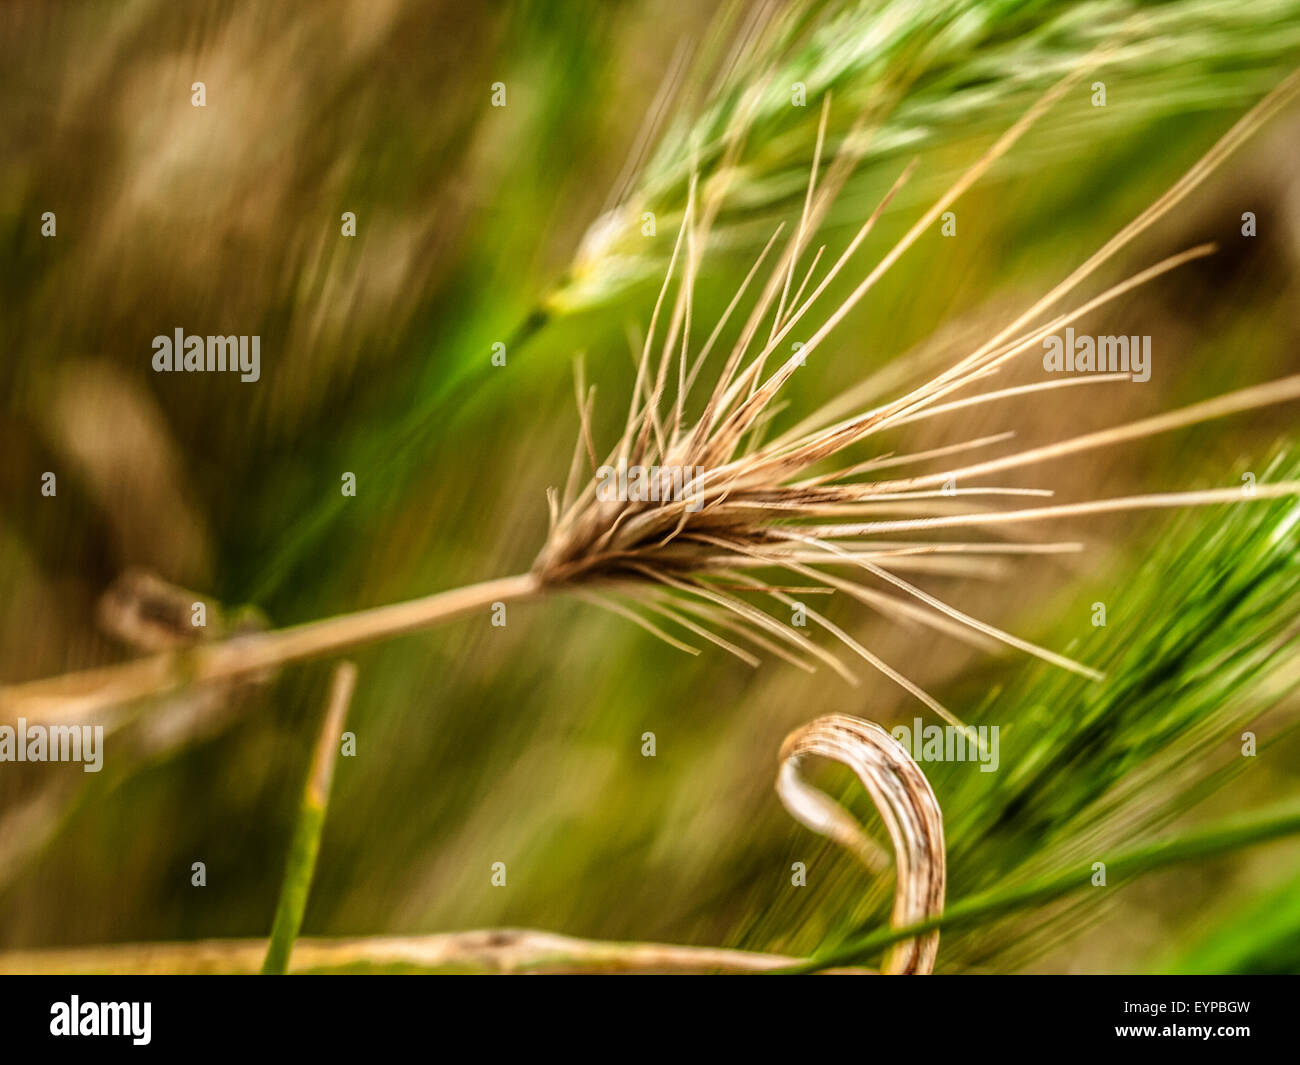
point(793, 508)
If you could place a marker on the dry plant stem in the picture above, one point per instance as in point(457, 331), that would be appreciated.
point(502, 951)
point(77, 694)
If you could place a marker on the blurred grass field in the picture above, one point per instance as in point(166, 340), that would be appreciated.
point(522, 744)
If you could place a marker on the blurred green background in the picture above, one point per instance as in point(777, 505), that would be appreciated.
point(478, 744)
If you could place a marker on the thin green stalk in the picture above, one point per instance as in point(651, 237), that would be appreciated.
point(301, 865)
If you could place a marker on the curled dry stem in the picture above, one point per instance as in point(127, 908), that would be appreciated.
point(907, 806)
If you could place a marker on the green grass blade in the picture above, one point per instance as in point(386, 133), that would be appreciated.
point(1262, 937)
point(1218, 839)
point(301, 865)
